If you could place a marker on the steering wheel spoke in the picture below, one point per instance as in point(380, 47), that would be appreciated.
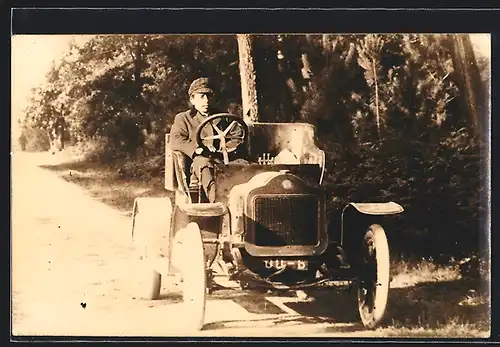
point(230, 126)
point(214, 137)
point(220, 132)
point(233, 137)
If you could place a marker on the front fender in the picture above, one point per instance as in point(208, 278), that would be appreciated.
point(377, 208)
point(371, 209)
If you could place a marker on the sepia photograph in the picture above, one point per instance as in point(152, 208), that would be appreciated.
point(251, 185)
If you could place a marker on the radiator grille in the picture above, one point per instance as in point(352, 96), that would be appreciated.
point(286, 220)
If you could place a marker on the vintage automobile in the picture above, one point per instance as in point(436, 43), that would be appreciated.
point(267, 227)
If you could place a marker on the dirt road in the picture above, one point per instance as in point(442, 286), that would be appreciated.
point(73, 275)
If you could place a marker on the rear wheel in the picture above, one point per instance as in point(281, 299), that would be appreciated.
point(189, 258)
point(150, 279)
point(149, 230)
point(373, 284)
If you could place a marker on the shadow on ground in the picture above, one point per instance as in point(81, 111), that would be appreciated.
point(432, 305)
point(307, 312)
point(311, 311)
point(79, 165)
point(425, 305)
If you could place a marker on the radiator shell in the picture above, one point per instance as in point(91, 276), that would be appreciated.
point(284, 219)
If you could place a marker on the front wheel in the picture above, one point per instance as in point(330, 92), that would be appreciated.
point(373, 284)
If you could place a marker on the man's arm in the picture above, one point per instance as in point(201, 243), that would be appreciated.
point(179, 136)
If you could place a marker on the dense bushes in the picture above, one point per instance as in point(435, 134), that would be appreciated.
point(439, 185)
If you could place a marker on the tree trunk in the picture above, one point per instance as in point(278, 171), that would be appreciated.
point(56, 134)
point(248, 79)
point(465, 65)
point(325, 40)
point(138, 66)
point(377, 111)
point(350, 54)
point(306, 68)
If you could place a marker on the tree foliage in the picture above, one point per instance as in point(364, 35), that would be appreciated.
point(386, 109)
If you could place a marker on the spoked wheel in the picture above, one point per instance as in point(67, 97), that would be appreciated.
point(189, 258)
point(373, 285)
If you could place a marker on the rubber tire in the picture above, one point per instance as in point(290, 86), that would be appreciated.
point(372, 313)
point(152, 283)
point(155, 285)
point(151, 279)
point(188, 256)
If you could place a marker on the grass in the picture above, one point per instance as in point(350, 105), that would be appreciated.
point(452, 329)
point(105, 183)
point(454, 308)
point(426, 299)
point(431, 300)
point(408, 272)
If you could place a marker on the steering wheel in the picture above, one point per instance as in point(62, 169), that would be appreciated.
point(222, 134)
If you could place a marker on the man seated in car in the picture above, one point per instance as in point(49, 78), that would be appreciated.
point(183, 135)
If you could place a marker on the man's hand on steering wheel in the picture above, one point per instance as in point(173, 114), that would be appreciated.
point(210, 148)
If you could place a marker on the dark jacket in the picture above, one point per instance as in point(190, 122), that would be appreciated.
point(183, 132)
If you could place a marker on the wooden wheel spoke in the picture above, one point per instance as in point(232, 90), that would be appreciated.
point(374, 273)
